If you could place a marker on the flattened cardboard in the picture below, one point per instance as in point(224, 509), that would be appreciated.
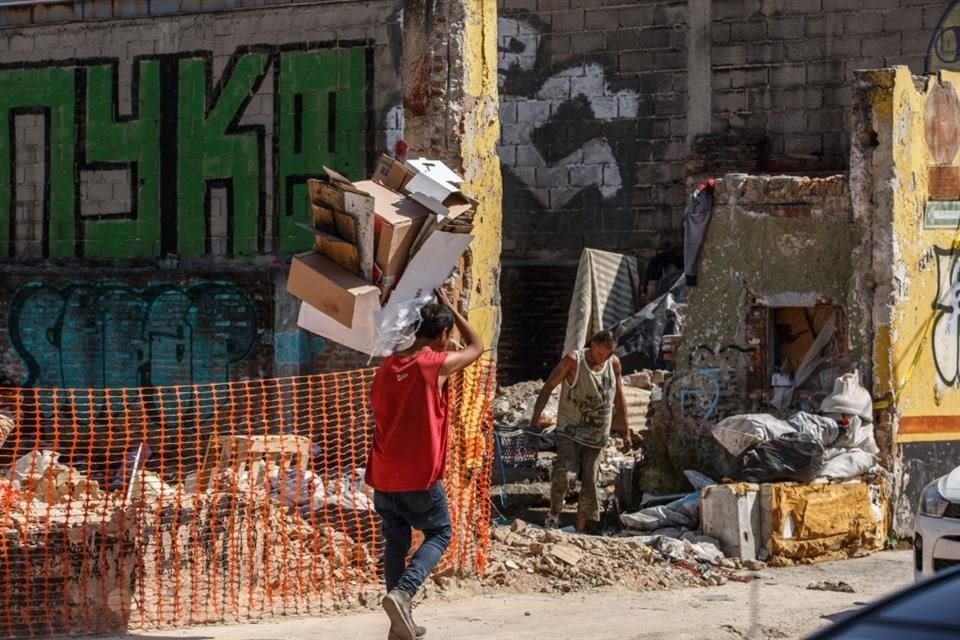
point(426, 271)
point(340, 195)
point(323, 218)
point(431, 265)
point(335, 248)
point(328, 287)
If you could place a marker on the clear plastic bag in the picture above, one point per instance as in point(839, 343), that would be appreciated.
point(396, 325)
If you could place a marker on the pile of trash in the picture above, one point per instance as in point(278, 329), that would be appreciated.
point(836, 445)
point(528, 558)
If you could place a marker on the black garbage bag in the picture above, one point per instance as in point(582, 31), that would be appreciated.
point(792, 457)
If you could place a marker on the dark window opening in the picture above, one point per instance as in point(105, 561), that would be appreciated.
point(799, 344)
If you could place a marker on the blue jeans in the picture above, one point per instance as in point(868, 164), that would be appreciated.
point(400, 513)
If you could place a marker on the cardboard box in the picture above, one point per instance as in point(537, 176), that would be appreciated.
point(426, 271)
point(398, 221)
point(328, 287)
point(437, 187)
point(392, 174)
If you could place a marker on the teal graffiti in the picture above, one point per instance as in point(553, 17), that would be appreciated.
point(296, 347)
point(91, 336)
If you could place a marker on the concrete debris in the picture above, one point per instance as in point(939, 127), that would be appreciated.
point(528, 558)
point(513, 405)
point(826, 585)
point(566, 553)
point(7, 425)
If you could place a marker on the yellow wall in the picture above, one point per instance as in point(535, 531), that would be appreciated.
point(481, 129)
point(923, 345)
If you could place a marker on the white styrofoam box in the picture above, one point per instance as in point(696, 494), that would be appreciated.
point(731, 514)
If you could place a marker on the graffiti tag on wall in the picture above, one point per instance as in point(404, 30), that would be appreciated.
point(91, 335)
point(556, 161)
point(552, 120)
point(943, 52)
point(192, 154)
point(946, 324)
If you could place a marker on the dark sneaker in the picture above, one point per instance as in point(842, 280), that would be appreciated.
point(421, 631)
point(397, 605)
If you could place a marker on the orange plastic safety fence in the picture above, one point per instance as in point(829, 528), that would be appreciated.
point(173, 506)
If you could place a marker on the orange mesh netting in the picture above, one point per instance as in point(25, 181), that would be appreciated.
point(172, 506)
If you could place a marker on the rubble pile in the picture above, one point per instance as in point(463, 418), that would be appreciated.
point(513, 405)
point(162, 555)
point(527, 558)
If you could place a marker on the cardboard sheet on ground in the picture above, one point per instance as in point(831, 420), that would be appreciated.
point(426, 271)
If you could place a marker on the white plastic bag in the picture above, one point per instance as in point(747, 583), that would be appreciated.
point(738, 433)
point(847, 465)
point(824, 429)
point(396, 325)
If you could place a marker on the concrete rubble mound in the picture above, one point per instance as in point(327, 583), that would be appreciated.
point(525, 557)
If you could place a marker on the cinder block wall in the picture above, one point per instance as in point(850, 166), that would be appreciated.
point(602, 102)
point(155, 174)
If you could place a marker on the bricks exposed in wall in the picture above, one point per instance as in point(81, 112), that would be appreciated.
point(808, 50)
point(535, 301)
point(593, 125)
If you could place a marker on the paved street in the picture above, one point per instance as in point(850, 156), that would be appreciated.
point(777, 605)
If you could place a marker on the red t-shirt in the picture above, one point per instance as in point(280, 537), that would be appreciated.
point(409, 451)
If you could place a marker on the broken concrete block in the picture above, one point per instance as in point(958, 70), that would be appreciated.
point(566, 553)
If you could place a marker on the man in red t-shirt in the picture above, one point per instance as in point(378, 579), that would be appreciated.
point(409, 453)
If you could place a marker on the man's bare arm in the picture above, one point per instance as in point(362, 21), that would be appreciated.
point(620, 406)
point(561, 371)
point(460, 360)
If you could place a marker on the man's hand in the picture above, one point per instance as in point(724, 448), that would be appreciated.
point(627, 447)
point(443, 298)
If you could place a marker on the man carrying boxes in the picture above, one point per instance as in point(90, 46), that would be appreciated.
point(408, 457)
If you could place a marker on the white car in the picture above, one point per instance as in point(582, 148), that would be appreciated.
point(936, 529)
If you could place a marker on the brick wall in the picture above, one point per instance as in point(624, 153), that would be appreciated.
point(535, 299)
point(786, 68)
point(593, 125)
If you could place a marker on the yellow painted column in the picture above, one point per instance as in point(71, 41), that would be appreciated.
point(451, 112)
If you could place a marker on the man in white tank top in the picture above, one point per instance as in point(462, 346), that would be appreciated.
point(591, 401)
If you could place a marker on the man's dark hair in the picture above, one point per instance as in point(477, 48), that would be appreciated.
point(434, 320)
point(605, 338)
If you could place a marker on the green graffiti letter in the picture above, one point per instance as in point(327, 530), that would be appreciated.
point(132, 142)
point(50, 93)
point(213, 147)
point(320, 122)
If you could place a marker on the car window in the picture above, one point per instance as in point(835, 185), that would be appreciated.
point(881, 631)
point(935, 605)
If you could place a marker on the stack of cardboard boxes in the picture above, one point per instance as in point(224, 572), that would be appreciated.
point(378, 242)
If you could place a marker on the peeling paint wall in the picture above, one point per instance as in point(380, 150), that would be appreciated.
point(907, 147)
point(773, 241)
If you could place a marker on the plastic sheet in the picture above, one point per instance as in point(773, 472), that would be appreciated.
point(738, 433)
point(824, 429)
point(396, 325)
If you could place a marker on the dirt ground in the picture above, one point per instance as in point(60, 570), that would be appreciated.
point(777, 604)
